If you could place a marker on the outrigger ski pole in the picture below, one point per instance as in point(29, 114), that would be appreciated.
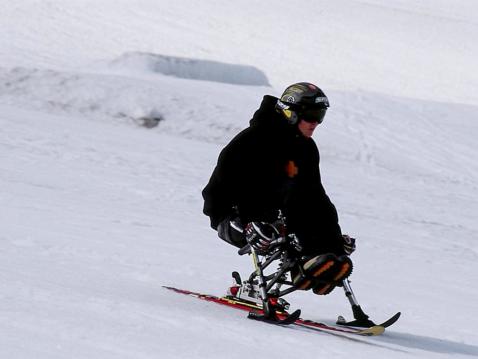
point(361, 319)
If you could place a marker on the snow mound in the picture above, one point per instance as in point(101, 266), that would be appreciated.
point(118, 98)
point(191, 68)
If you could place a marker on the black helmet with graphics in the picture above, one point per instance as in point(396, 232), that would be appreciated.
point(303, 101)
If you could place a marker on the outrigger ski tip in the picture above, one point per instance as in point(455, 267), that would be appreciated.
point(361, 319)
point(367, 323)
point(391, 321)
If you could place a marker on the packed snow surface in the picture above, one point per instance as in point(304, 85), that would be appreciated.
point(98, 212)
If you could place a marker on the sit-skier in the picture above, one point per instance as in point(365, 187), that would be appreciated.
point(272, 167)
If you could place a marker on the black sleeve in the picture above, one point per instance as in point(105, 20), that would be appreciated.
point(219, 193)
point(310, 212)
point(327, 210)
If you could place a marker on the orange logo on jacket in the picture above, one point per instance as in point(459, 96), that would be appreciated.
point(291, 169)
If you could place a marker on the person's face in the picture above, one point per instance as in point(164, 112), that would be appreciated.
point(309, 119)
point(307, 128)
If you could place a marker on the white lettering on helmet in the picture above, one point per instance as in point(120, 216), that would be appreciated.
point(321, 99)
point(282, 105)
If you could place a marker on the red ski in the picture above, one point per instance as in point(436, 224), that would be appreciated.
point(251, 307)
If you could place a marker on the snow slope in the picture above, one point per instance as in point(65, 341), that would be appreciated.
point(98, 212)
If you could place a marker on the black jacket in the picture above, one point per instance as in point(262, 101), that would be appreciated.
point(269, 166)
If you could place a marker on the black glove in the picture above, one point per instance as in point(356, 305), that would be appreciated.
point(349, 244)
point(232, 231)
point(259, 235)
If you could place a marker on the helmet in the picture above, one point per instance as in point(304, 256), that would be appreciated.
point(303, 101)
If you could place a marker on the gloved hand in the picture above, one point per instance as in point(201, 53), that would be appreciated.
point(349, 244)
point(231, 230)
point(259, 235)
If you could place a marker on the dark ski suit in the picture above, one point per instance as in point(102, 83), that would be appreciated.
point(270, 166)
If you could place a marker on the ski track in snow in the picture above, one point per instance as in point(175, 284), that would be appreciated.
point(98, 212)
